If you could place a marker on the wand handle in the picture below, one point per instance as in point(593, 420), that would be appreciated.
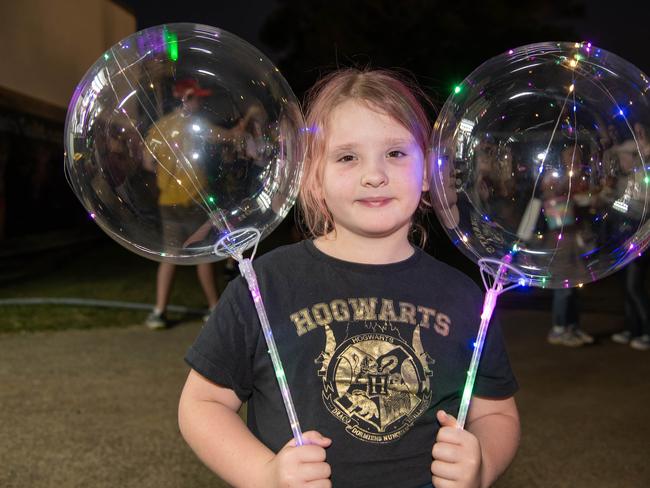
point(247, 271)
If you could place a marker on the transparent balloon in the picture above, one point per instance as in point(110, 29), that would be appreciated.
point(541, 160)
point(183, 143)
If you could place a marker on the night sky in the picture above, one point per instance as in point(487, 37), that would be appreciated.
point(241, 17)
point(621, 27)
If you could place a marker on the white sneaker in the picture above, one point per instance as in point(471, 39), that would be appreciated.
point(584, 337)
point(156, 320)
point(641, 343)
point(564, 336)
point(623, 337)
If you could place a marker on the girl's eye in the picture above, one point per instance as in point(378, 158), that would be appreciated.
point(396, 154)
point(345, 159)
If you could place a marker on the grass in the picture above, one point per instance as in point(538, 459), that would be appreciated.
point(103, 270)
point(99, 269)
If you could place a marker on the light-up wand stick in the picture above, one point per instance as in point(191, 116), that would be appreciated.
point(233, 245)
point(493, 290)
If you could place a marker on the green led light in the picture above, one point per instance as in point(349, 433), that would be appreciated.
point(646, 180)
point(457, 89)
point(173, 50)
point(211, 199)
point(171, 44)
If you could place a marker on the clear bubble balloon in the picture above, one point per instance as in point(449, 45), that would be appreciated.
point(183, 143)
point(541, 159)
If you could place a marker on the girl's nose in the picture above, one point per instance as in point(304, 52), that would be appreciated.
point(374, 175)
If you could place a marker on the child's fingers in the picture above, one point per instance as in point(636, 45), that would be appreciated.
point(439, 482)
point(315, 471)
point(319, 484)
point(445, 419)
point(449, 431)
point(311, 454)
point(452, 435)
point(443, 470)
point(445, 452)
point(316, 438)
point(311, 437)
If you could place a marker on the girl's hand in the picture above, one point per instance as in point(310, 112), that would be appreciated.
point(302, 466)
point(456, 456)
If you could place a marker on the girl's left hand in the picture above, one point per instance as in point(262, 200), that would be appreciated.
point(456, 456)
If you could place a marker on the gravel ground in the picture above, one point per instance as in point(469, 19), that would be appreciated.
point(98, 408)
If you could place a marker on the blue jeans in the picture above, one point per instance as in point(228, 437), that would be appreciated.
point(565, 307)
point(637, 314)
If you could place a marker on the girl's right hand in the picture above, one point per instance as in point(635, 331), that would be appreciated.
point(302, 466)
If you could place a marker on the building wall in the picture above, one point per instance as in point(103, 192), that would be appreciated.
point(47, 45)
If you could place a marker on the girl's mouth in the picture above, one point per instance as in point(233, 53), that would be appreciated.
point(374, 202)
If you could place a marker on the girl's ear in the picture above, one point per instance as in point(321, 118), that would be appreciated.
point(426, 173)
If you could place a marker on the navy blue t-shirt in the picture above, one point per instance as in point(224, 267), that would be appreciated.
point(370, 353)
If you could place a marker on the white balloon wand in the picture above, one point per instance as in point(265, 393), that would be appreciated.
point(233, 245)
point(492, 293)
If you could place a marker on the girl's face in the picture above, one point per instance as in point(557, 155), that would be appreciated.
point(373, 173)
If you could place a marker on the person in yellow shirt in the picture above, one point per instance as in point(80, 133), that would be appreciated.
point(176, 151)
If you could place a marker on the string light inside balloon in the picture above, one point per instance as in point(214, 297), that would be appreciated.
point(543, 161)
point(180, 159)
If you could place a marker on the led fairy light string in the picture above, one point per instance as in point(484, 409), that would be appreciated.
point(576, 89)
point(233, 244)
point(130, 87)
point(500, 274)
point(500, 277)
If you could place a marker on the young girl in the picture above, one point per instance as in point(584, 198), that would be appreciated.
point(375, 335)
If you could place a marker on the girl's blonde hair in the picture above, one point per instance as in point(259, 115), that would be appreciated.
point(384, 91)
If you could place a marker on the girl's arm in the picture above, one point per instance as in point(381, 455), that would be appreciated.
point(495, 423)
point(209, 422)
point(477, 456)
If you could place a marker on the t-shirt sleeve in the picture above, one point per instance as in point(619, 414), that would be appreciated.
point(225, 348)
point(495, 378)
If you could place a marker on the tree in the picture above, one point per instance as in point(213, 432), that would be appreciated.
point(439, 41)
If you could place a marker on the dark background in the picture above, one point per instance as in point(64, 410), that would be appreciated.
point(439, 42)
